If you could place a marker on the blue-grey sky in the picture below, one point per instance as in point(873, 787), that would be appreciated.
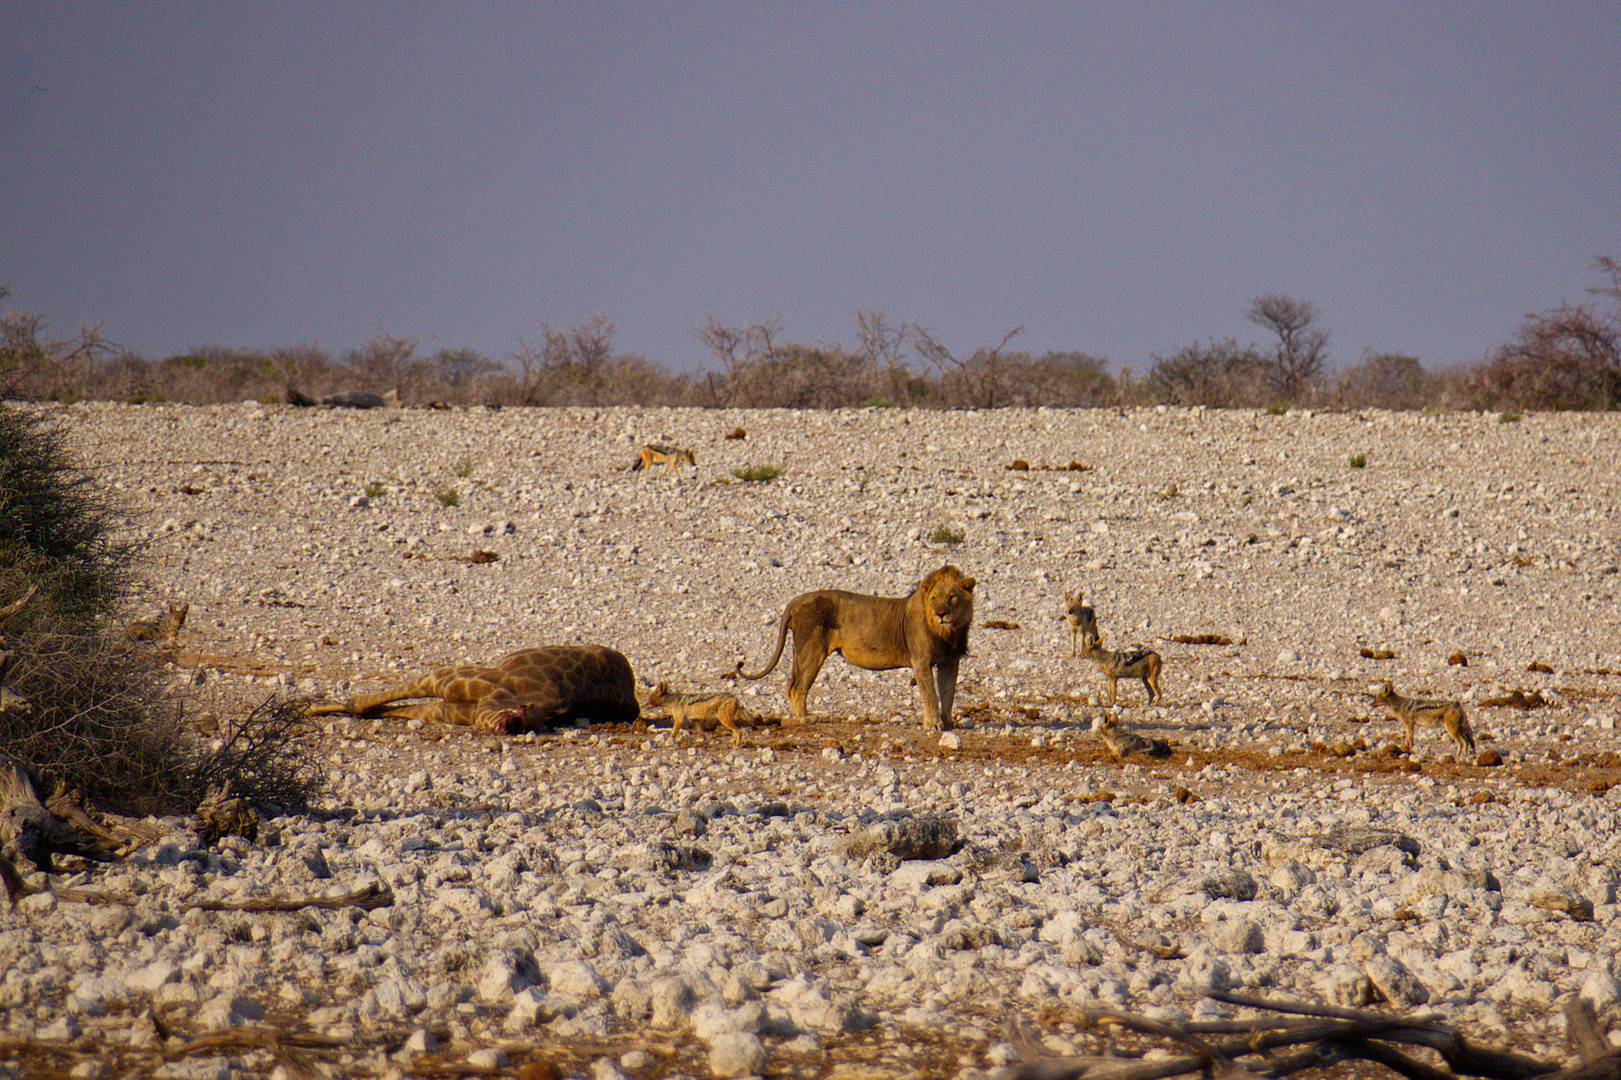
point(1119, 178)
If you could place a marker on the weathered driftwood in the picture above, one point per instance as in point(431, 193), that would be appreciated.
point(69, 806)
point(370, 897)
point(1317, 1036)
point(29, 831)
point(367, 898)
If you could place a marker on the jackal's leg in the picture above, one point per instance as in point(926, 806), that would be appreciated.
point(728, 720)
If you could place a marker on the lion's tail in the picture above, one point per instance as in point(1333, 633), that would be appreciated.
point(782, 638)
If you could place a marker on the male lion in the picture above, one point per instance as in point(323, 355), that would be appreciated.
point(926, 631)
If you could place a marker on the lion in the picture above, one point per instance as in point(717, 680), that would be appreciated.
point(926, 631)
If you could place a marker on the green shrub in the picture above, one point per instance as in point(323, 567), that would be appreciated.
point(1359, 461)
point(945, 534)
point(1508, 418)
point(757, 474)
point(1277, 408)
point(448, 496)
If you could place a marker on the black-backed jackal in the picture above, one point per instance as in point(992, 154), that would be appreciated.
point(671, 457)
point(164, 629)
point(1083, 622)
point(1117, 664)
point(1122, 743)
point(714, 705)
point(1429, 712)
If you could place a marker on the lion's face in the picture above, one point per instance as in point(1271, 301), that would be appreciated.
point(948, 601)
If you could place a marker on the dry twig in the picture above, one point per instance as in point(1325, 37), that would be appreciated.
point(1319, 1036)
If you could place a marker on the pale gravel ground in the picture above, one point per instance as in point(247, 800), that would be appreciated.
point(1461, 534)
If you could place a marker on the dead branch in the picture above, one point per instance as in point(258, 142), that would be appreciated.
point(17, 605)
point(1317, 1036)
point(69, 806)
point(373, 896)
point(1582, 1032)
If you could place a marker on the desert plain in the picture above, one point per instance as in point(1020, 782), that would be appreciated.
point(609, 901)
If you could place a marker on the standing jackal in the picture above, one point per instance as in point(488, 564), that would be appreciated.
point(671, 457)
point(1117, 664)
point(716, 705)
point(1083, 622)
point(1428, 712)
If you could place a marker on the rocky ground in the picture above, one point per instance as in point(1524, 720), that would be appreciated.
point(857, 896)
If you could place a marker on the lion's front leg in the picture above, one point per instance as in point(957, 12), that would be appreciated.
point(945, 675)
point(935, 718)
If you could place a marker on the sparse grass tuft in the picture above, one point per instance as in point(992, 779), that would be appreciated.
point(1277, 408)
point(375, 490)
point(1508, 418)
point(463, 468)
point(448, 496)
point(1359, 461)
point(757, 474)
point(945, 534)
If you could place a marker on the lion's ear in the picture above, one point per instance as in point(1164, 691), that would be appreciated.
point(968, 584)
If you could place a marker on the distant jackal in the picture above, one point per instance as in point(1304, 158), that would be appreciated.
point(164, 629)
point(1122, 743)
point(1117, 664)
point(715, 705)
point(671, 457)
point(1083, 623)
point(1428, 712)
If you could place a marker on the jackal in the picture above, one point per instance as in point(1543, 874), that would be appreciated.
point(671, 457)
point(1428, 712)
point(1122, 743)
point(1117, 664)
point(1083, 623)
point(164, 629)
point(714, 705)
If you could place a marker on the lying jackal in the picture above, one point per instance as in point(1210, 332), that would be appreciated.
point(1428, 712)
point(714, 705)
point(671, 457)
point(164, 629)
point(1117, 664)
point(1083, 622)
point(1122, 743)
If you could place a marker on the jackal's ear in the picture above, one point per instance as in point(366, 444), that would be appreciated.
point(968, 584)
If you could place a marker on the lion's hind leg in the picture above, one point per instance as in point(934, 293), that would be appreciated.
point(810, 654)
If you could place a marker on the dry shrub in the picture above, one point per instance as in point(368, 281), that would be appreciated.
point(102, 716)
point(266, 757)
